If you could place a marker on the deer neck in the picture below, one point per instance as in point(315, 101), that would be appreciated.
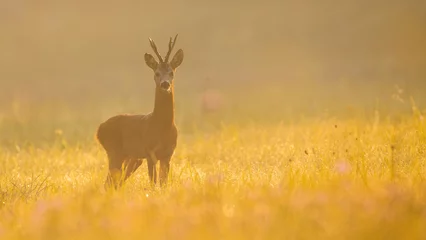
point(163, 113)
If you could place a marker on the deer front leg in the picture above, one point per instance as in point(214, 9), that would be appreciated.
point(164, 171)
point(152, 169)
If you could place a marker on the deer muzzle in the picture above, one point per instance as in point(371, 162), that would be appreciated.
point(165, 85)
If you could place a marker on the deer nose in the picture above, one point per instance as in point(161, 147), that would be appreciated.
point(165, 85)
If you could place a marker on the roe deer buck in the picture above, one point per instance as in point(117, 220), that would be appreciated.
point(128, 139)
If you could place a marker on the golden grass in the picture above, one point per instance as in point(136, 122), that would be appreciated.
point(324, 179)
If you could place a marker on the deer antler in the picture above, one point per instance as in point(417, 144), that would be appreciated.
point(154, 47)
point(171, 46)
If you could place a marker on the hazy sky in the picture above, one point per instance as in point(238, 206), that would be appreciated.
point(75, 46)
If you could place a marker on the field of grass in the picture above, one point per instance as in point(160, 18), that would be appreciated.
point(321, 178)
point(316, 138)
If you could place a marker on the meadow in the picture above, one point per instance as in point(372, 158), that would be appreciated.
point(321, 134)
point(321, 177)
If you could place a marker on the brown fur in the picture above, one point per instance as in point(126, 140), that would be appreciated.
point(128, 139)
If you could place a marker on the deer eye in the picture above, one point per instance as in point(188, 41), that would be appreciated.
point(157, 74)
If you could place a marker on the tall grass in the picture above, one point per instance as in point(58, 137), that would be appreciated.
point(324, 179)
point(313, 140)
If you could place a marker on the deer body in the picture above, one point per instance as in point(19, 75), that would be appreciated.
point(128, 139)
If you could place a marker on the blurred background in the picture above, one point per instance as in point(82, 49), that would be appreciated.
point(68, 65)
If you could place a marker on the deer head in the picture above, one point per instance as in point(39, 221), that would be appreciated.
point(164, 71)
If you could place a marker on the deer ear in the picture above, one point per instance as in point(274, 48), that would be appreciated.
point(150, 61)
point(177, 59)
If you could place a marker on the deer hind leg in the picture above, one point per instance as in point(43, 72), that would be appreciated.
point(112, 179)
point(115, 175)
point(152, 168)
point(131, 166)
point(164, 171)
point(118, 174)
